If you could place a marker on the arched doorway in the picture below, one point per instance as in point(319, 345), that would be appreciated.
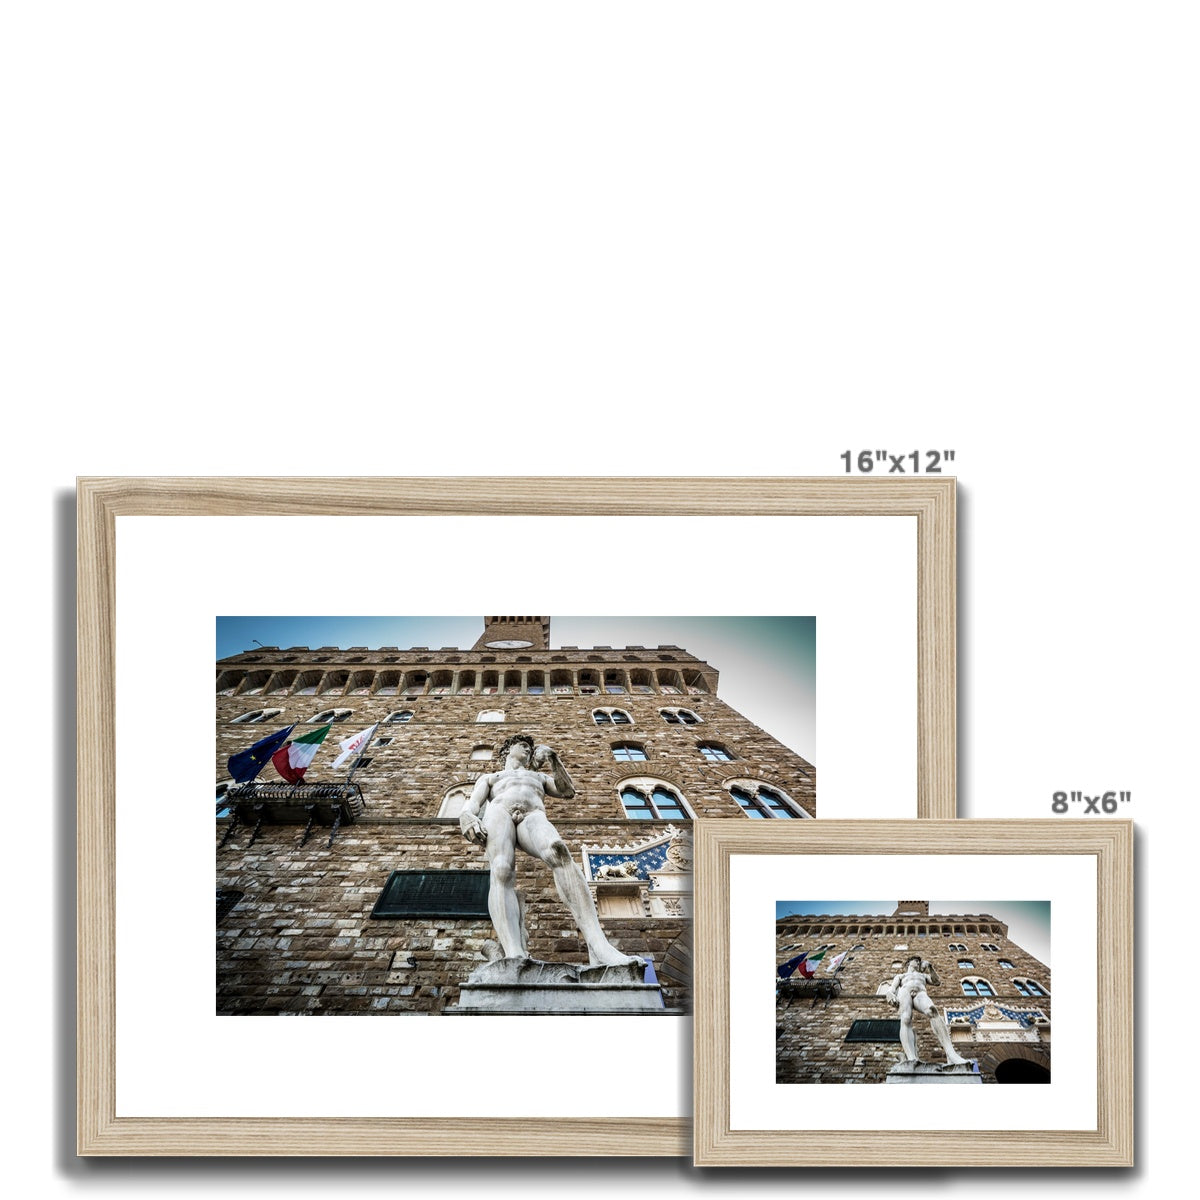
point(1011, 1062)
point(1021, 1070)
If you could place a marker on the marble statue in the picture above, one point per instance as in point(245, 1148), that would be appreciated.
point(506, 810)
point(907, 992)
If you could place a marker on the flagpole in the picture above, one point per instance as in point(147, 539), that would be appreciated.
point(359, 757)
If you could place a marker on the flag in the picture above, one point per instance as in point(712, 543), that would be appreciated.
point(244, 765)
point(808, 968)
point(836, 962)
point(354, 744)
point(296, 757)
point(788, 967)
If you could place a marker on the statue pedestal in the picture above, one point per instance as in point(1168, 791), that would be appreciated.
point(923, 1072)
point(526, 985)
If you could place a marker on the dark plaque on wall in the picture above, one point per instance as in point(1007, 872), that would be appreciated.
point(874, 1031)
point(433, 894)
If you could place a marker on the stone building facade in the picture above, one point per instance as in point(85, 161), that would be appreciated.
point(838, 1027)
point(355, 892)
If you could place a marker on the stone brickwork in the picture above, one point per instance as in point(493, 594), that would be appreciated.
point(430, 752)
point(1007, 1032)
point(301, 939)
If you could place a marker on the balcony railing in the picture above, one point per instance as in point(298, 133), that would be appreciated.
point(307, 804)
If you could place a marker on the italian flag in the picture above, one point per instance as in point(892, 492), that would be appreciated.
point(295, 757)
point(808, 968)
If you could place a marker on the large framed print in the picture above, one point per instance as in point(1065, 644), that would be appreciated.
point(800, 995)
point(868, 565)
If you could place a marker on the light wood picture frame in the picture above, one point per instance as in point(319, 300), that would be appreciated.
point(104, 501)
point(748, 1115)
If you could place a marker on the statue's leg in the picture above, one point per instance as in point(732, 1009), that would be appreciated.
point(941, 1031)
point(503, 905)
point(908, 1035)
point(537, 836)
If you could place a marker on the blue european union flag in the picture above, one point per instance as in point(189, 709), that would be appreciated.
point(244, 765)
point(787, 968)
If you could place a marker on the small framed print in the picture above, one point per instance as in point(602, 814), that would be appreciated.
point(824, 997)
point(358, 901)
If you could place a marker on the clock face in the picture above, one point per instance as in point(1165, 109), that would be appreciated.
point(509, 644)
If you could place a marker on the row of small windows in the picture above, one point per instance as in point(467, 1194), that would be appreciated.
point(976, 986)
point(601, 716)
point(642, 798)
point(618, 716)
point(560, 682)
point(840, 927)
point(622, 751)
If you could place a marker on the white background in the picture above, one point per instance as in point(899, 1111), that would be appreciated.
point(625, 238)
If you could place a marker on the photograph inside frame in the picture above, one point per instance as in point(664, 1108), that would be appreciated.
point(944, 992)
point(489, 815)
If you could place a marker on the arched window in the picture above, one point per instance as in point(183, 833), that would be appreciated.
point(454, 800)
point(399, 717)
point(714, 752)
point(759, 801)
point(253, 718)
point(482, 752)
point(679, 716)
point(493, 715)
point(1006, 964)
point(989, 946)
point(611, 716)
point(652, 799)
point(330, 716)
point(975, 986)
point(957, 947)
point(629, 752)
point(1028, 987)
point(965, 964)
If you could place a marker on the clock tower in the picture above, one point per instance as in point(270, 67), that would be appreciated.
point(514, 633)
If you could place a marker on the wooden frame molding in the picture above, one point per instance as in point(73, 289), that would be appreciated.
point(101, 500)
point(1109, 1144)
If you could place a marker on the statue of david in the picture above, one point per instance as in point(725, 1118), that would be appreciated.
point(507, 809)
point(907, 992)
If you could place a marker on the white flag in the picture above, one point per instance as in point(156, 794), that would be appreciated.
point(353, 745)
point(834, 963)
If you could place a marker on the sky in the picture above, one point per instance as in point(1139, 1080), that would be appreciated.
point(1028, 921)
point(767, 665)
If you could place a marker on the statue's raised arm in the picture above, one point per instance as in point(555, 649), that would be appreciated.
point(559, 784)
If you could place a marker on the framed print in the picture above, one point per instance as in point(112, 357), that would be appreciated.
point(364, 865)
point(798, 993)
